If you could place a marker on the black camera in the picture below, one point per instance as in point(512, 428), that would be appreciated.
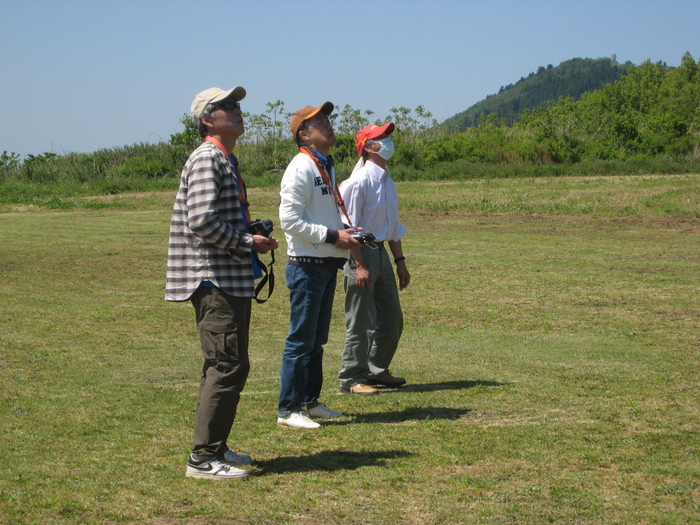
point(364, 237)
point(260, 227)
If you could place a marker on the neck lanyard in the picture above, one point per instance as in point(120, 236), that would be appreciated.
point(326, 178)
point(240, 184)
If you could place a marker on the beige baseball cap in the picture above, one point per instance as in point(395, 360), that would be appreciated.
point(211, 96)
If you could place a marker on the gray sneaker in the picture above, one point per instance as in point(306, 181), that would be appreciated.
point(321, 411)
point(213, 469)
point(297, 420)
point(236, 459)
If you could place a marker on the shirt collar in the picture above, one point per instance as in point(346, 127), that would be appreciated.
point(218, 144)
point(376, 171)
point(326, 161)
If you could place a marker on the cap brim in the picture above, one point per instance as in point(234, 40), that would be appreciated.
point(236, 94)
point(326, 108)
point(386, 129)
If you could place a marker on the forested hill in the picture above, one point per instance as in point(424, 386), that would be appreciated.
point(571, 78)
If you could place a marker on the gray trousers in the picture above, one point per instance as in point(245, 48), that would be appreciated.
point(223, 322)
point(373, 319)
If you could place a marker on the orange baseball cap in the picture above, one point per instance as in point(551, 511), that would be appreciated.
point(306, 113)
point(371, 132)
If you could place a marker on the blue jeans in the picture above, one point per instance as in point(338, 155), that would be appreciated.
point(311, 292)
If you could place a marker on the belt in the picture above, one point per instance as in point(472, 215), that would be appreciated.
point(328, 262)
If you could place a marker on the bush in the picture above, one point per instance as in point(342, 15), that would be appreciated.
point(648, 122)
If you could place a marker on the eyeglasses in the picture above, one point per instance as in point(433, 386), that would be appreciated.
point(319, 122)
point(228, 105)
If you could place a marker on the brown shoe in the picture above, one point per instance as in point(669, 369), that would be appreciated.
point(360, 388)
point(386, 379)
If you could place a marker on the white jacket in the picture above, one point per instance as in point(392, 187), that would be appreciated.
point(308, 209)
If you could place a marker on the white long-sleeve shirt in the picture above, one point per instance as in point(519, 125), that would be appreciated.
point(372, 203)
point(308, 209)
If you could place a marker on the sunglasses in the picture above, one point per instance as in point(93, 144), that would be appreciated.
point(228, 105)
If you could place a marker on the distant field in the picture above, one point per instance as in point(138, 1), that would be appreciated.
point(551, 347)
point(642, 196)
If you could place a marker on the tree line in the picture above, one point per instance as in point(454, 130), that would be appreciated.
point(652, 112)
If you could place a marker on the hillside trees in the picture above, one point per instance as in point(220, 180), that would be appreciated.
point(653, 111)
point(571, 78)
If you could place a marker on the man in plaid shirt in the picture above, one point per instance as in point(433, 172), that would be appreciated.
point(212, 263)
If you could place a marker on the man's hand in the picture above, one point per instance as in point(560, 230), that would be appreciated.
point(404, 276)
point(363, 278)
point(345, 241)
point(262, 244)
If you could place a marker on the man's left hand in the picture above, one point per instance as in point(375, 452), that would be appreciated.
point(404, 276)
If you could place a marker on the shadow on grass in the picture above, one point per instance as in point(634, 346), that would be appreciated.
point(410, 414)
point(447, 385)
point(329, 461)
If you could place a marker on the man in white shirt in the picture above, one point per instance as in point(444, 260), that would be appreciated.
point(373, 315)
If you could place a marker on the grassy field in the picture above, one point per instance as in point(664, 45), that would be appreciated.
point(551, 346)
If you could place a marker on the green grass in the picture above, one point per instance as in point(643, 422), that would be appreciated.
point(551, 347)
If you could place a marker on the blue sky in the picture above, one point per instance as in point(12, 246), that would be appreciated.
point(78, 76)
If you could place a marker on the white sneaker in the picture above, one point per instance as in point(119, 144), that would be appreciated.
point(322, 411)
point(237, 459)
point(297, 420)
point(213, 469)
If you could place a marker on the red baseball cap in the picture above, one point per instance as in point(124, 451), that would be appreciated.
point(371, 132)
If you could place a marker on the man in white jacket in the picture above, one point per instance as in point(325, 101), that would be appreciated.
point(318, 244)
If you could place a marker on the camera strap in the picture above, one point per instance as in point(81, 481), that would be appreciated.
point(268, 276)
point(326, 178)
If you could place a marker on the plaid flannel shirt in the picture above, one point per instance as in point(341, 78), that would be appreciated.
point(207, 231)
